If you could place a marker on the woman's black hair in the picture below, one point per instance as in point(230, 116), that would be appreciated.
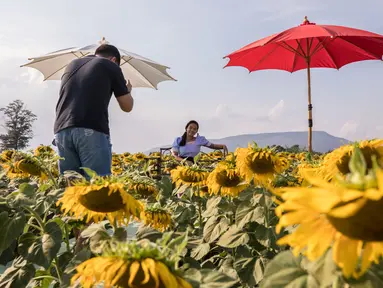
point(183, 139)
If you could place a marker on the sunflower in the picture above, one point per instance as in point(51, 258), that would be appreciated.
point(32, 167)
point(12, 172)
point(155, 154)
point(338, 215)
point(44, 151)
point(116, 160)
point(7, 155)
point(128, 160)
point(225, 179)
point(217, 154)
point(202, 191)
point(139, 157)
point(144, 188)
point(7, 163)
point(337, 161)
point(22, 165)
point(156, 217)
point(100, 200)
point(117, 170)
point(130, 264)
point(193, 175)
point(259, 164)
point(306, 167)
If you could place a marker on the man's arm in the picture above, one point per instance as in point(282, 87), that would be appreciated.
point(122, 90)
point(126, 101)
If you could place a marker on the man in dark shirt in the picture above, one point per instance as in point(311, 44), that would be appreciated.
point(81, 127)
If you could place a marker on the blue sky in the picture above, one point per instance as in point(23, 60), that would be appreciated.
point(192, 37)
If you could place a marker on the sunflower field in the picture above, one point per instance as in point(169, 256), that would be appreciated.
point(257, 217)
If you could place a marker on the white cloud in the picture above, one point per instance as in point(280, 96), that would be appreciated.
point(32, 76)
point(277, 110)
point(349, 128)
point(222, 110)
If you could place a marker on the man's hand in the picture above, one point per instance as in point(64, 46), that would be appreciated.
point(129, 86)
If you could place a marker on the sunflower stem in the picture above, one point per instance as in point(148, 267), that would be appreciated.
point(200, 211)
point(49, 173)
point(37, 216)
point(266, 210)
point(66, 237)
point(35, 226)
point(46, 277)
point(58, 270)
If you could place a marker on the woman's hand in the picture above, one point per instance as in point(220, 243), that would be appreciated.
point(225, 150)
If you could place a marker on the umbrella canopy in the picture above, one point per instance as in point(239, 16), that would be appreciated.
point(309, 46)
point(140, 71)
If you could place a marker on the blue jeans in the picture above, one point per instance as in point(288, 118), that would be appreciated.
point(83, 147)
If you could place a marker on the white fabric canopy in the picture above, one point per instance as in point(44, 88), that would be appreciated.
point(140, 71)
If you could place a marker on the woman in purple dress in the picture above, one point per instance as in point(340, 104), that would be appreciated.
point(189, 144)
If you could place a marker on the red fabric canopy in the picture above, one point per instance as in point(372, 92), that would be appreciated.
point(309, 46)
point(325, 46)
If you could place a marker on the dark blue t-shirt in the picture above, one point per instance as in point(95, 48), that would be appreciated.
point(86, 88)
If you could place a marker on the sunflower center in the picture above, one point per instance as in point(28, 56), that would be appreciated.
point(360, 226)
point(138, 279)
point(261, 165)
point(226, 180)
point(99, 200)
point(367, 152)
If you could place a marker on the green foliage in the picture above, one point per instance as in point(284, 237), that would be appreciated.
point(18, 125)
point(214, 241)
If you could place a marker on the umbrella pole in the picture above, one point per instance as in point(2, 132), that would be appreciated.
point(310, 108)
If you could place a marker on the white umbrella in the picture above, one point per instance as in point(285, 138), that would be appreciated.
point(140, 71)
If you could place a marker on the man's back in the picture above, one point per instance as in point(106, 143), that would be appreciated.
point(86, 88)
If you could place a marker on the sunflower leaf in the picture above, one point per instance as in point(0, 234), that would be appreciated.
point(89, 172)
point(51, 240)
point(324, 269)
point(97, 241)
point(27, 189)
point(209, 227)
point(219, 229)
point(211, 207)
point(166, 186)
point(357, 163)
point(10, 228)
point(93, 229)
point(178, 244)
point(246, 213)
point(215, 279)
point(18, 275)
point(193, 276)
point(30, 247)
point(286, 271)
point(227, 267)
point(233, 237)
point(200, 251)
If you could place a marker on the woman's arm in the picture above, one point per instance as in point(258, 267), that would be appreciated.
point(219, 146)
point(204, 142)
point(176, 149)
point(175, 154)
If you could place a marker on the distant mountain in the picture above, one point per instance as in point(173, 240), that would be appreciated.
point(322, 141)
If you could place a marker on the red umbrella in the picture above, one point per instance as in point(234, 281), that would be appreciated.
point(309, 46)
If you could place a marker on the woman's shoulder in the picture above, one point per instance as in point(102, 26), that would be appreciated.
point(201, 139)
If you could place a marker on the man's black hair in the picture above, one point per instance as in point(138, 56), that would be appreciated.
point(106, 50)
